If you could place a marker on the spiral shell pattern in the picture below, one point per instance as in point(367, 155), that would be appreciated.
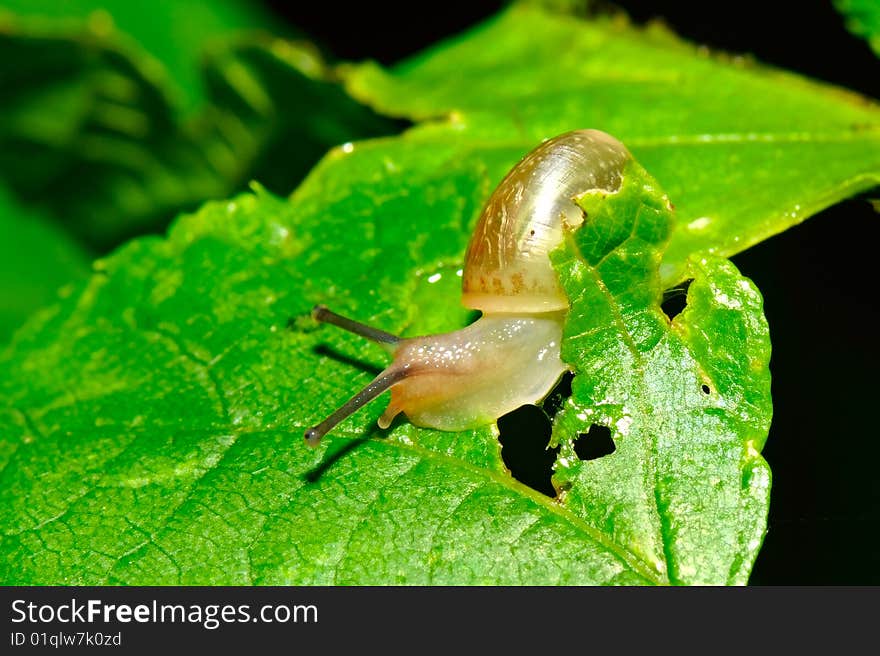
point(507, 266)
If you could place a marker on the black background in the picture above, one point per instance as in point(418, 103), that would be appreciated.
point(818, 279)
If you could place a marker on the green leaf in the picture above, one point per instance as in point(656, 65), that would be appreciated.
point(166, 424)
point(744, 151)
point(89, 134)
point(176, 34)
point(687, 402)
point(36, 259)
point(863, 19)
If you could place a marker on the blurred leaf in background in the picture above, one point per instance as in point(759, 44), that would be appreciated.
point(36, 259)
point(862, 18)
point(175, 34)
point(111, 134)
point(89, 132)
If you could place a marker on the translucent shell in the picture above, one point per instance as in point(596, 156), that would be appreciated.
point(507, 266)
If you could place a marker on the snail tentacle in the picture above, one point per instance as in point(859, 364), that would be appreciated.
point(379, 384)
point(324, 315)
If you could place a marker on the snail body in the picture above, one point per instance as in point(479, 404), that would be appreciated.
point(510, 356)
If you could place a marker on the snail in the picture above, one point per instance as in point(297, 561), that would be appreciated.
point(510, 356)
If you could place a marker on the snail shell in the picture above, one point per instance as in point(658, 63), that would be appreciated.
point(507, 265)
point(510, 356)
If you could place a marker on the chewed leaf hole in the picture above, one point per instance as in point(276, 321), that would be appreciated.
point(706, 389)
point(557, 396)
point(675, 299)
point(524, 434)
point(595, 443)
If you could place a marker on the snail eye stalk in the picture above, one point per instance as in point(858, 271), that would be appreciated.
point(324, 315)
point(379, 384)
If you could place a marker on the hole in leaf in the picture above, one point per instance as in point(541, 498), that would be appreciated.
point(524, 434)
point(557, 396)
point(706, 389)
point(595, 443)
point(675, 299)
